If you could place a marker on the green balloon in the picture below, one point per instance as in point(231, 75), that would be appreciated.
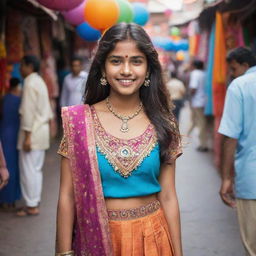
point(175, 31)
point(125, 11)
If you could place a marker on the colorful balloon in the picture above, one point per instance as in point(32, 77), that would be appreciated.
point(101, 14)
point(180, 56)
point(125, 11)
point(181, 45)
point(175, 38)
point(141, 14)
point(168, 13)
point(75, 16)
point(88, 33)
point(167, 44)
point(164, 43)
point(60, 5)
point(175, 31)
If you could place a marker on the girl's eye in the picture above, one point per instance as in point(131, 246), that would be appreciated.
point(137, 61)
point(115, 61)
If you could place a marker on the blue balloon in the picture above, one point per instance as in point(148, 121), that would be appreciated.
point(164, 43)
point(88, 33)
point(169, 45)
point(184, 45)
point(181, 45)
point(141, 14)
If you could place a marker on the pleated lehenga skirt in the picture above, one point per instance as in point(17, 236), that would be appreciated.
point(143, 236)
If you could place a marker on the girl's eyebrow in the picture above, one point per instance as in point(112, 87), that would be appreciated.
point(120, 57)
point(138, 57)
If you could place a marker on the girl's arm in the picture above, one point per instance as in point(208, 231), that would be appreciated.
point(66, 209)
point(169, 202)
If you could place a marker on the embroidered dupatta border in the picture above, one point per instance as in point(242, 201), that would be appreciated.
point(97, 181)
point(91, 232)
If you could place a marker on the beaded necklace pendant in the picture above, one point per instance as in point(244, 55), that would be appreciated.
point(125, 156)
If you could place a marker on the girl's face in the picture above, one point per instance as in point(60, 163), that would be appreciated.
point(126, 68)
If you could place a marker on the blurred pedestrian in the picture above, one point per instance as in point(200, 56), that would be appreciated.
point(34, 134)
point(74, 84)
point(197, 103)
point(4, 174)
point(117, 193)
point(238, 125)
point(62, 72)
point(177, 91)
point(9, 128)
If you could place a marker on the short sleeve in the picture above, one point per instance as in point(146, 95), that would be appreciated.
point(232, 119)
point(175, 147)
point(63, 148)
point(193, 82)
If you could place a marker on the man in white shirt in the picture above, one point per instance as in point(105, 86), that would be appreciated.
point(198, 100)
point(34, 135)
point(74, 85)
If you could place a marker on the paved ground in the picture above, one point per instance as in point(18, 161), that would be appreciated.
point(209, 228)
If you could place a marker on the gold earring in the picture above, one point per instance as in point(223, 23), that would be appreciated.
point(103, 81)
point(147, 81)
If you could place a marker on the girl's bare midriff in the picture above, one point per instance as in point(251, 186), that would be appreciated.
point(126, 203)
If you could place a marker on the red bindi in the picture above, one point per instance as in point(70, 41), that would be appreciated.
point(126, 56)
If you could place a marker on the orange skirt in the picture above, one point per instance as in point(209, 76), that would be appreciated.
point(144, 236)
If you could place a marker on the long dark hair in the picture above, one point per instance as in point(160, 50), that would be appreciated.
point(155, 98)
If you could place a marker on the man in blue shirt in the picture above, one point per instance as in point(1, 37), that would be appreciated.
point(238, 125)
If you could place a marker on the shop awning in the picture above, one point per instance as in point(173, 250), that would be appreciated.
point(51, 13)
point(190, 11)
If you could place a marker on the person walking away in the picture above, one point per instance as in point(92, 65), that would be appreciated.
point(34, 134)
point(198, 100)
point(74, 84)
point(238, 125)
point(9, 128)
point(177, 91)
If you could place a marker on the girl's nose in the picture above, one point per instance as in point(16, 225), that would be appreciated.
point(126, 69)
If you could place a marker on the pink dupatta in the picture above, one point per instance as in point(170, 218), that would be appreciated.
point(91, 230)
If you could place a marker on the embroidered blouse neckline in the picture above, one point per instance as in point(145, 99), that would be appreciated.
point(96, 118)
point(124, 155)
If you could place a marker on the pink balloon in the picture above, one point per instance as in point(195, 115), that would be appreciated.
point(168, 12)
point(76, 15)
point(60, 5)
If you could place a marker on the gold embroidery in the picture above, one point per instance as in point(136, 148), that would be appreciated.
point(175, 147)
point(63, 148)
point(125, 156)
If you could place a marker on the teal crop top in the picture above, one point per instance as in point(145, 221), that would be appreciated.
point(128, 168)
point(142, 182)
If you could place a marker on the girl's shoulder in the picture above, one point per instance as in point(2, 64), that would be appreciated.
point(100, 106)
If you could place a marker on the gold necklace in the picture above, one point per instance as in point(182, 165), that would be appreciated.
point(125, 119)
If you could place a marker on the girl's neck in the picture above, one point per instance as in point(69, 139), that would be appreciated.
point(124, 104)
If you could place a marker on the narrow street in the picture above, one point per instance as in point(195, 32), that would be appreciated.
point(209, 227)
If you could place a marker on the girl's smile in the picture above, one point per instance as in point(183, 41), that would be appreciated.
point(126, 73)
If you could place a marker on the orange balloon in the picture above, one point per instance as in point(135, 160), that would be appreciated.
point(101, 14)
point(180, 55)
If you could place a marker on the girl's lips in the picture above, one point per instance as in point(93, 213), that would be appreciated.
point(125, 82)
